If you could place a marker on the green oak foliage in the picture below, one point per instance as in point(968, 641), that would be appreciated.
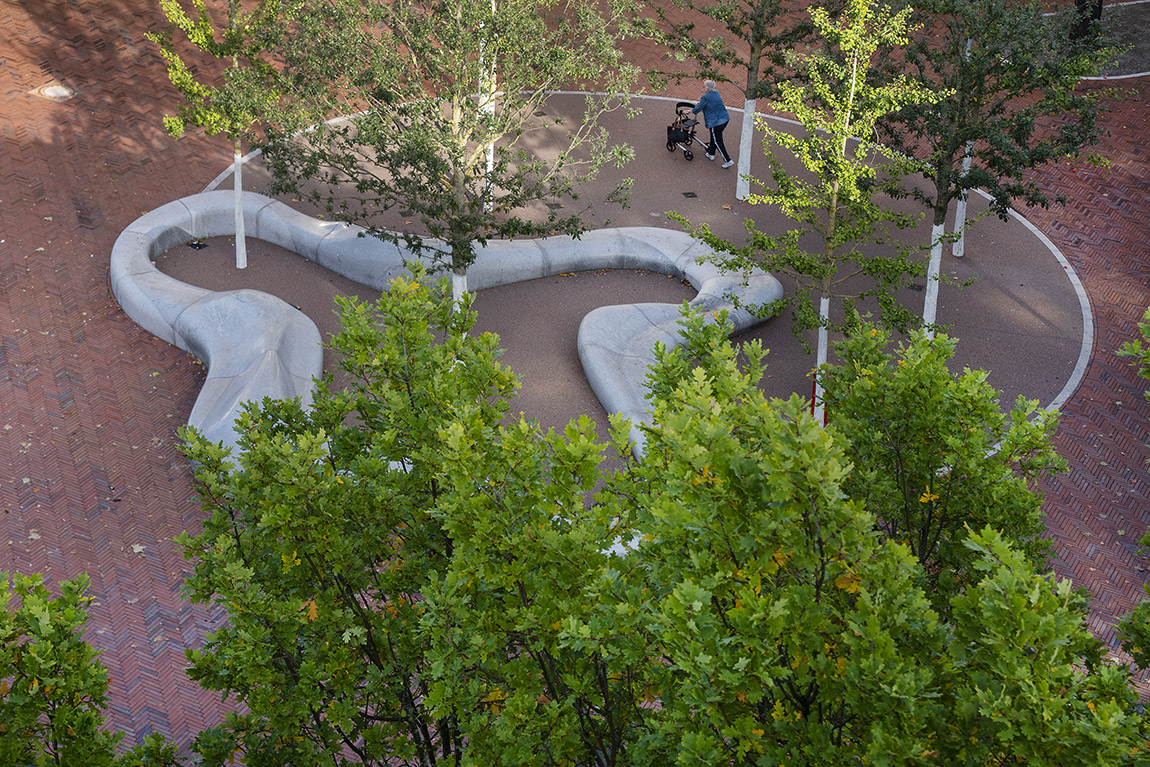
point(525, 543)
point(1025, 683)
point(435, 86)
point(834, 205)
point(934, 454)
point(1013, 101)
point(321, 539)
point(788, 631)
point(413, 577)
point(53, 687)
point(1138, 350)
point(398, 564)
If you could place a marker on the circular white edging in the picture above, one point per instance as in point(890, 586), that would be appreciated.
point(256, 346)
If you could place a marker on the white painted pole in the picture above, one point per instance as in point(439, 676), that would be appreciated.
point(959, 249)
point(746, 141)
point(819, 410)
point(238, 187)
point(930, 303)
point(458, 285)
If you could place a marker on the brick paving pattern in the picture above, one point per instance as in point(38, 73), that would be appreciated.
point(89, 402)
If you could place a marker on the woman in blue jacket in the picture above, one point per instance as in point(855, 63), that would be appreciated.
point(716, 117)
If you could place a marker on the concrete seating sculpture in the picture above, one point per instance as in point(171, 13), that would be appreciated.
point(256, 346)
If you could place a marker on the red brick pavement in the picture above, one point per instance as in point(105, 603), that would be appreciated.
point(89, 402)
point(1098, 510)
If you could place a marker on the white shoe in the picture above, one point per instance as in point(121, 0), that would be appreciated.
point(728, 163)
point(710, 157)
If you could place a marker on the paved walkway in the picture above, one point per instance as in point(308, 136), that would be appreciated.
point(89, 402)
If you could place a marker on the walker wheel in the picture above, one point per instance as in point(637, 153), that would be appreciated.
point(670, 146)
point(688, 154)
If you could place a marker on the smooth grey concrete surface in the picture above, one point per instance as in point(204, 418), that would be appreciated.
point(256, 346)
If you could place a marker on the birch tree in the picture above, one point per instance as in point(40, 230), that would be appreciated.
point(837, 203)
point(231, 105)
point(444, 92)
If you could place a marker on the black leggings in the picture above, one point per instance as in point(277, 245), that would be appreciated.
point(717, 141)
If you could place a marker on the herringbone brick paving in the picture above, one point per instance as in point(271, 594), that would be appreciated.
point(89, 402)
point(1098, 509)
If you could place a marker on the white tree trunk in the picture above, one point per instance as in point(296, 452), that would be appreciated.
point(930, 304)
point(458, 285)
point(818, 410)
point(487, 105)
point(959, 249)
point(238, 187)
point(746, 141)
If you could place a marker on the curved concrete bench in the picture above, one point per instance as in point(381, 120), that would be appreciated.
point(256, 346)
point(253, 344)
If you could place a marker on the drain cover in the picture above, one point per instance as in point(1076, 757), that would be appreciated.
point(690, 194)
point(53, 91)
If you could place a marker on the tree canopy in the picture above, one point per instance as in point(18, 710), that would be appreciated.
point(835, 204)
point(1011, 74)
point(935, 456)
point(414, 577)
point(233, 104)
point(442, 93)
point(53, 686)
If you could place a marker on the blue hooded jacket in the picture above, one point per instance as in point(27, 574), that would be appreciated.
point(714, 113)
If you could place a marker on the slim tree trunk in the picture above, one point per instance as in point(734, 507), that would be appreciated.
point(487, 86)
point(238, 187)
point(959, 249)
point(930, 303)
point(460, 243)
point(746, 141)
point(458, 283)
point(1089, 13)
point(237, 175)
point(818, 409)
